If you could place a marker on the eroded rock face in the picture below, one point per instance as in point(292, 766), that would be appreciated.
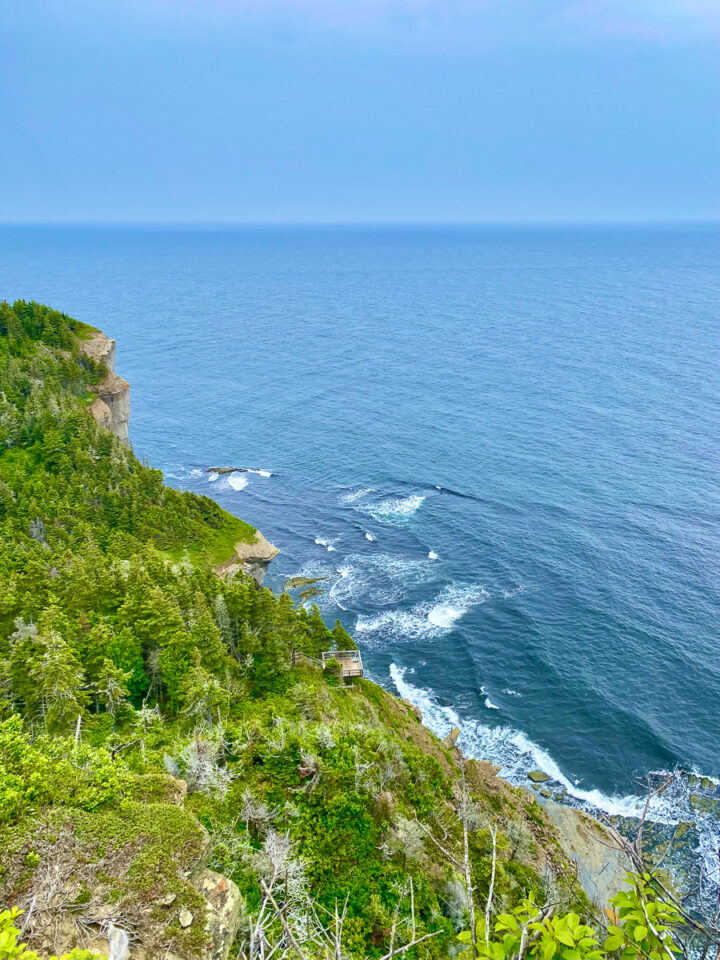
point(112, 407)
point(252, 558)
point(601, 863)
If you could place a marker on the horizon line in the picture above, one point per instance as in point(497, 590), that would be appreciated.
point(230, 224)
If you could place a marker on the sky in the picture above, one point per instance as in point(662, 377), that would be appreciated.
point(357, 111)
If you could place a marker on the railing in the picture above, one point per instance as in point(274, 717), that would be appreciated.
point(342, 655)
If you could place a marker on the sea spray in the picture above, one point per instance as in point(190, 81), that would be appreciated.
point(516, 754)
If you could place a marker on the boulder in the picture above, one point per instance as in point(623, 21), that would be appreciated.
point(538, 776)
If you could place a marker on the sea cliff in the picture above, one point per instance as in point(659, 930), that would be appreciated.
point(168, 766)
point(111, 409)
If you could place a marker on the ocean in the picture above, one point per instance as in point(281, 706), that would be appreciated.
point(496, 448)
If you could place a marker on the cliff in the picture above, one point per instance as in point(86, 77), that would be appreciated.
point(111, 409)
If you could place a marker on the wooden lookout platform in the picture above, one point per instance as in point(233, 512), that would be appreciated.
point(350, 661)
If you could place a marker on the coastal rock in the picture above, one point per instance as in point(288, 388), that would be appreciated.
point(111, 409)
point(224, 905)
point(451, 739)
point(416, 711)
point(596, 850)
point(538, 776)
point(252, 558)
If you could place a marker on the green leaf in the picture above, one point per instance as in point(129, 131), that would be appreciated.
point(549, 949)
point(566, 937)
point(640, 932)
point(613, 943)
point(464, 937)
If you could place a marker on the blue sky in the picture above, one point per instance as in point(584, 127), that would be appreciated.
point(359, 110)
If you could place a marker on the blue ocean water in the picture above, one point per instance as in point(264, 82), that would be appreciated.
point(500, 447)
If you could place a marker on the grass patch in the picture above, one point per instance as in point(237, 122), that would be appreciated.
point(217, 544)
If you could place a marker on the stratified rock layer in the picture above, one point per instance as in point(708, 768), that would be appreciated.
point(111, 409)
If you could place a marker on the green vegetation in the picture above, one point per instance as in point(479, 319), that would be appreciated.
point(152, 724)
point(643, 928)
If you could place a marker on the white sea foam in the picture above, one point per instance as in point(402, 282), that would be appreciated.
point(212, 477)
point(426, 620)
point(260, 473)
point(237, 481)
point(370, 537)
point(384, 577)
point(488, 702)
point(433, 556)
point(328, 544)
point(516, 754)
point(354, 495)
point(395, 510)
point(511, 693)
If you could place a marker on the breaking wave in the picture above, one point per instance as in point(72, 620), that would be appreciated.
point(237, 481)
point(516, 754)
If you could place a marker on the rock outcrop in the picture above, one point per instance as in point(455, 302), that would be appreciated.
point(141, 869)
point(111, 408)
point(252, 557)
point(601, 863)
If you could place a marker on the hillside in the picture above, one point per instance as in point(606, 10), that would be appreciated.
point(167, 766)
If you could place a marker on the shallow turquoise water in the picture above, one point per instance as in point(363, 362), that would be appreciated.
point(539, 409)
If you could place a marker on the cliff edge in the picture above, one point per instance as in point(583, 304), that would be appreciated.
point(111, 408)
point(252, 558)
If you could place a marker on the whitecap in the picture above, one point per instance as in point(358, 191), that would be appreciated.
point(260, 473)
point(212, 477)
point(433, 556)
point(395, 510)
point(370, 537)
point(488, 702)
point(516, 754)
point(328, 544)
point(511, 693)
point(237, 481)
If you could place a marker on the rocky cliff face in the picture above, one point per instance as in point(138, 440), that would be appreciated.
point(111, 409)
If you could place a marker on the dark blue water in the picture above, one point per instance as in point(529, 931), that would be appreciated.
point(500, 446)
